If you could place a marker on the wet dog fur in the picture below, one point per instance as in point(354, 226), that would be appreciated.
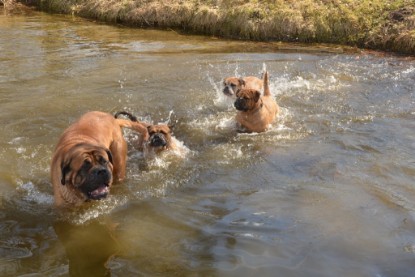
point(160, 136)
point(90, 154)
point(232, 85)
point(256, 112)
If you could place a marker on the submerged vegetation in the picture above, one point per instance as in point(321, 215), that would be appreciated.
point(376, 24)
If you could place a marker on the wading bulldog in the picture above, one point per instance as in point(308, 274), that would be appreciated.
point(160, 136)
point(256, 112)
point(89, 156)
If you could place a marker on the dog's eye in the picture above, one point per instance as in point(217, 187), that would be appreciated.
point(233, 85)
point(87, 164)
point(102, 160)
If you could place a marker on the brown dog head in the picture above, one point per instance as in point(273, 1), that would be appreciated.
point(247, 99)
point(160, 136)
point(87, 170)
point(232, 85)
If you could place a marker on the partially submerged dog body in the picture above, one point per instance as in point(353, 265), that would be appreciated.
point(160, 137)
point(256, 112)
point(232, 85)
point(89, 156)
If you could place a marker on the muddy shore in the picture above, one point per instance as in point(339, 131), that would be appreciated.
point(376, 24)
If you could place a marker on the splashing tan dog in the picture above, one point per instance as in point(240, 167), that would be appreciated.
point(256, 112)
point(90, 154)
point(160, 137)
point(232, 85)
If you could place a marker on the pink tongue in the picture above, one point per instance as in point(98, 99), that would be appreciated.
point(99, 191)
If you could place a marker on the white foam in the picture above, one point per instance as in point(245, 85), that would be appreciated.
point(409, 70)
point(164, 158)
point(33, 194)
point(221, 100)
point(231, 154)
point(16, 140)
point(96, 209)
point(226, 123)
point(168, 120)
point(181, 150)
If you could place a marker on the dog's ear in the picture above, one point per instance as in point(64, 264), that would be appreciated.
point(257, 96)
point(171, 126)
point(109, 154)
point(149, 130)
point(242, 82)
point(65, 168)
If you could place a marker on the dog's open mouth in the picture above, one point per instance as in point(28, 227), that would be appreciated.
point(99, 193)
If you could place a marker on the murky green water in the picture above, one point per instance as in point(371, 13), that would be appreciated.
point(328, 191)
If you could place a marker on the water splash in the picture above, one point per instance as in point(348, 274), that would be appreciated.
point(93, 210)
point(32, 193)
point(264, 69)
point(168, 120)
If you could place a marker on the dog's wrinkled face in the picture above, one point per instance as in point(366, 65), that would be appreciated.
point(247, 99)
point(88, 169)
point(160, 136)
point(232, 85)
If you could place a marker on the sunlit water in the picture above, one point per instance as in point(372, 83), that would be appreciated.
point(329, 190)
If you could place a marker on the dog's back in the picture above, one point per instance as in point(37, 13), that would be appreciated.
point(252, 82)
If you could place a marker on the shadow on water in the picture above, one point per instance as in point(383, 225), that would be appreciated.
point(88, 247)
point(327, 191)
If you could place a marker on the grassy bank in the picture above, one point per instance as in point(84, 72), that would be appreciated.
point(375, 24)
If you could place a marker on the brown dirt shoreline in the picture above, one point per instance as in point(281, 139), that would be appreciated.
point(371, 24)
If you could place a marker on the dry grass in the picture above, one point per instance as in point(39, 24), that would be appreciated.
point(377, 24)
point(9, 5)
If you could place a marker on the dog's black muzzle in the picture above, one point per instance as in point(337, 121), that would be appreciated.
point(240, 104)
point(96, 185)
point(158, 140)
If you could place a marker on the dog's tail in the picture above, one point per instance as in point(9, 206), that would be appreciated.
point(132, 123)
point(267, 92)
point(264, 69)
point(127, 114)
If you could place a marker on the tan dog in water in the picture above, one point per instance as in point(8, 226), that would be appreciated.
point(232, 85)
point(90, 154)
point(256, 112)
point(160, 138)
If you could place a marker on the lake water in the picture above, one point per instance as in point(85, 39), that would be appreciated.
point(329, 190)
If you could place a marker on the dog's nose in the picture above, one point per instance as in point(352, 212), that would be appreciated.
point(158, 140)
point(238, 103)
point(228, 91)
point(101, 172)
